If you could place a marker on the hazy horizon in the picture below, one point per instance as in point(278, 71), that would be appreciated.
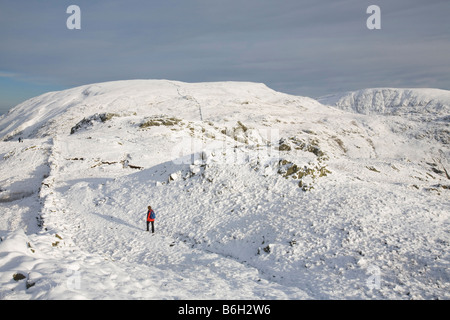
point(306, 48)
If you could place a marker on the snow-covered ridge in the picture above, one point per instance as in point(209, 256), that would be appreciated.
point(55, 112)
point(393, 101)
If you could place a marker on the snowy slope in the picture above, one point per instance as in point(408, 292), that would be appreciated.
point(56, 112)
point(258, 195)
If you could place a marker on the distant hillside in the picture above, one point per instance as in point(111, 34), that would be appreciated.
point(393, 101)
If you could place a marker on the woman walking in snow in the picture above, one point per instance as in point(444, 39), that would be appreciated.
point(151, 218)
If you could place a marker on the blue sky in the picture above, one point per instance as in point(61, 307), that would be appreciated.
point(308, 48)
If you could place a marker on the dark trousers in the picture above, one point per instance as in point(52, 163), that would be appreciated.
point(153, 226)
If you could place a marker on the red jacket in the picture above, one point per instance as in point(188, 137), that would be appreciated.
point(150, 216)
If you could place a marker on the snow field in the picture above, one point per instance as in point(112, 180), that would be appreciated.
point(240, 217)
point(221, 164)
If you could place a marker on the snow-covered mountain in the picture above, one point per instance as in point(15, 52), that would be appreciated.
point(393, 101)
point(258, 194)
